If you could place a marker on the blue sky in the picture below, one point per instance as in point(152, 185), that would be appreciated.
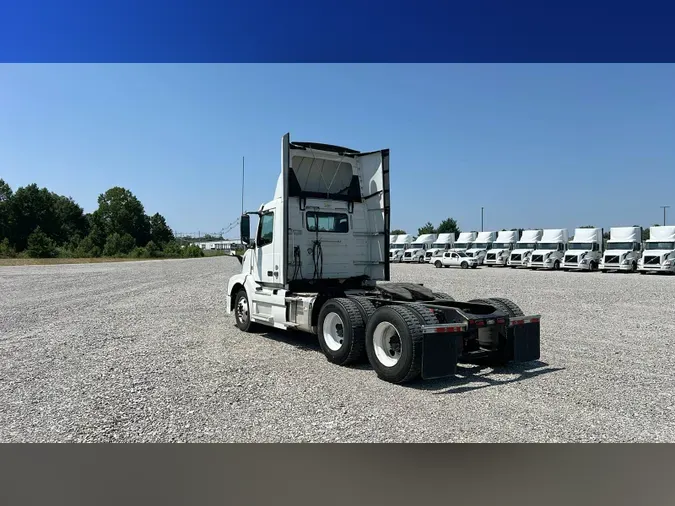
point(548, 146)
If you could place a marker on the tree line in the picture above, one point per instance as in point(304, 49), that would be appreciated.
point(38, 223)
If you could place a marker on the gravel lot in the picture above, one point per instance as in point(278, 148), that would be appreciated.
point(143, 351)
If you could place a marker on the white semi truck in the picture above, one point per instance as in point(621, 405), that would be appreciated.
point(501, 248)
point(464, 241)
point(584, 251)
point(623, 250)
point(520, 256)
point(443, 243)
point(318, 263)
point(659, 251)
point(399, 247)
point(550, 250)
point(480, 246)
point(416, 251)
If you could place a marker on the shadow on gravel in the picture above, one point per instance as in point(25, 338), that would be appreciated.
point(300, 340)
point(469, 377)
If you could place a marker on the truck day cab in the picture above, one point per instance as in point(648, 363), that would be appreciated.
point(464, 241)
point(501, 248)
point(443, 243)
point(623, 250)
point(520, 256)
point(584, 251)
point(418, 248)
point(399, 247)
point(659, 252)
point(481, 245)
point(319, 264)
point(550, 250)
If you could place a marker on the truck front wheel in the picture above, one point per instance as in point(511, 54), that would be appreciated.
point(341, 331)
point(242, 312)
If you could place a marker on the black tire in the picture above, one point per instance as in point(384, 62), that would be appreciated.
point(464, 265)
point(353, 331)
point(633, 267)
point(594, 266)
point(367, 309)
point(556, 265)
point(438, 264)
point(474, 266)
point(242, 312)
point(481, 301)
point(511, 308)
point(442, 296)
point(421, 260)
point(406, 322)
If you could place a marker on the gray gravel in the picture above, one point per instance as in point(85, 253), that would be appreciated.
point(143, 351)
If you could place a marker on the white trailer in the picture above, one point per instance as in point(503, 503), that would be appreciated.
point(584, 251)
point(443, 243)
point(318, 264)
point(501, 248)
point(416, 251)
point(520, 256)
point(659, 251)
point(623, 250)
point(480, 246)
point(399, 247)
point(464, 241)
point(550, 249)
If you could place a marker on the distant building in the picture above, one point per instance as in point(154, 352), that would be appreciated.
point(218, 245)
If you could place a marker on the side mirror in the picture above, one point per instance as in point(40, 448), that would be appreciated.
point(245, 228)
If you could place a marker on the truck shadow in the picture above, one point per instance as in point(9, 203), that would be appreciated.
point(476, 377)
point(469, 377)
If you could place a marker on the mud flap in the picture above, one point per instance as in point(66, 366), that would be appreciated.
point(523, 342)
point(440, 354)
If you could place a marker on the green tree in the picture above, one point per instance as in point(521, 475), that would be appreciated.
point(398, 231)
point(32, 207)
point(448, 226)
point(5, 210)
point(71, 218)
point(427, 228)
point(160, 232)
point(40, 245)
point(120, 212)
point(118, 244)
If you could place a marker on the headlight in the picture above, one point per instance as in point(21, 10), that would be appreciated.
point(584, 261)
point(668, 262)
point(625, 262)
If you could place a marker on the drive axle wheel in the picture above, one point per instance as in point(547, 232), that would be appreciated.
point(394, 342)
point(341, 331)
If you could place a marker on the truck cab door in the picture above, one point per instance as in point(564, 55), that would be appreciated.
point(265, 247)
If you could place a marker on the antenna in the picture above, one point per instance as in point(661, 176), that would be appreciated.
point(242, 185)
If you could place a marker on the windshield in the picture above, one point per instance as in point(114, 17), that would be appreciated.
point(620, 245)
point(547, 245)
point(461, 244)
point(580, 245)
point(526, 245)
point(480, 245)
point(462, 254)
point(441, 245)
point(660, 245)
point(502, 245)
point(418, 245)
point(397, 246)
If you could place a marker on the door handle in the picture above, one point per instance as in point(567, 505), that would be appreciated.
point(269, 273)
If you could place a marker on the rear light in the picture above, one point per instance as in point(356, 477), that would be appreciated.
point(524, 320)
point(444, 328)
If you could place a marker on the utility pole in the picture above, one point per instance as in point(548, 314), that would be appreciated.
point(481, 219)
point(664, 214)
point(242, 185)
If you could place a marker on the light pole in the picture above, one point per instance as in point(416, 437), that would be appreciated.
point(664, 214)
point(481, 219)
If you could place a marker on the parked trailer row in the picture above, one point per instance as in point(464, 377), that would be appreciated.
point(551, 249)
